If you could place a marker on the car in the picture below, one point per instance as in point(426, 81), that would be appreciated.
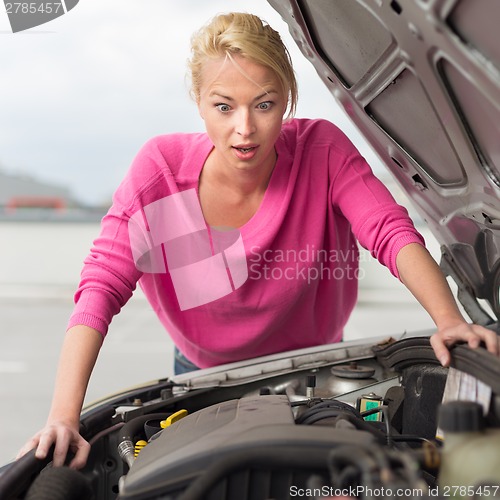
point(356, 418)
point(378, 418)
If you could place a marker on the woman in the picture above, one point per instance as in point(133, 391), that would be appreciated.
point(243, 238)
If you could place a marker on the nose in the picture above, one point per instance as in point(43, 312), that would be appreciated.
point(245, 123)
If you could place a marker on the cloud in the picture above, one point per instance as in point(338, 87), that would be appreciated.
point(81, 94)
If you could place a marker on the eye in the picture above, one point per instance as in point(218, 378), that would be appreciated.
point(224, 108)
point(265, 105)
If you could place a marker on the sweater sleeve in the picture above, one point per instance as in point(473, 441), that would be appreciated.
point(108, 278)
point(379, 224)
point(109, 275)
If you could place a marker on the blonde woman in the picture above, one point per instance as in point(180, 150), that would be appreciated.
point(243, 238)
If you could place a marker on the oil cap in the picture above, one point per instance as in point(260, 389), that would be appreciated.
point(461, 416)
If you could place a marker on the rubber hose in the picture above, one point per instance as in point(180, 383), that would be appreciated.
point(135, 426)
point(60, 483)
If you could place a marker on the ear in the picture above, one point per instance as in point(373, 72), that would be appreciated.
point(200, 111)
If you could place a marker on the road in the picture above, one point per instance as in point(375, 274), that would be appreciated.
point(137, 350)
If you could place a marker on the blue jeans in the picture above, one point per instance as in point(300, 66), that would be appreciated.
point(182, 364)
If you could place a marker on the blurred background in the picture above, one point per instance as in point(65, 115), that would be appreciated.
point(78, 98)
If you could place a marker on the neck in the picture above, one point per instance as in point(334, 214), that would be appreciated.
point(242, 181)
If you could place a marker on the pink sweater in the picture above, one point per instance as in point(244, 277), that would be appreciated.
point(286, 280)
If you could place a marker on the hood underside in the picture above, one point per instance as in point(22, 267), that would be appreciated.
point(421, 80)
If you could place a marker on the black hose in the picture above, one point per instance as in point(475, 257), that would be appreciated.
point(136, 425)
point(312, 417)
point(16, 477)
point(60, 483)
point(277, 460)
point(131, 429)
point(339, 406)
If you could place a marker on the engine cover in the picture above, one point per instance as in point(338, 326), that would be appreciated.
point(232, 432)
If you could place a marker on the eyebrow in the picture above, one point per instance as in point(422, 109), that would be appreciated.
point(228, 98)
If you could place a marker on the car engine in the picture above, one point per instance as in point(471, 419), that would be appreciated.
point(357, 420)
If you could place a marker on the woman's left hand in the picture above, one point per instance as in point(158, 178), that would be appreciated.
point(472, 334)
point(423, 277)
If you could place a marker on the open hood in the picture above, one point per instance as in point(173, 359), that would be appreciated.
point(421, 80)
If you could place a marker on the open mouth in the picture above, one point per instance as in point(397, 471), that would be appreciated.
point(245, 150)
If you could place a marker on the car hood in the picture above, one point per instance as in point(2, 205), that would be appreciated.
point(421, 81)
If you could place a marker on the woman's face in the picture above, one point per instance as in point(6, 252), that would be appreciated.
point(242, 105)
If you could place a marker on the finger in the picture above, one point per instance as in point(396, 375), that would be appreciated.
point(440, 349)
point(46, 440)
point(489, 337)
point(61, 448)
point(32, 443)
point(81, 452)
point(462, 333)
point(41, 453)
point(473, 340)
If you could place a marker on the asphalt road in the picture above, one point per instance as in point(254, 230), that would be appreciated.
point(137, 350)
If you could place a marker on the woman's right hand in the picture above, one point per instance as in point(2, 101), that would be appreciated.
point(66, 438)
point(79, 352)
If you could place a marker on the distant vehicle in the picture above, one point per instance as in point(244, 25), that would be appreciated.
point(421, 79)
point(45, 202)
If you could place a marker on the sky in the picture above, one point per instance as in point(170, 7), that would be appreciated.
point(81, 94)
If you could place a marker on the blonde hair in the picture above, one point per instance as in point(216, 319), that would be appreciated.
point(248, 36)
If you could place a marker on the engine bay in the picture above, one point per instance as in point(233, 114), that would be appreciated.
point(357, 420)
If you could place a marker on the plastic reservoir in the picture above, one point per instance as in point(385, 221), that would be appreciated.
point(470, 463)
